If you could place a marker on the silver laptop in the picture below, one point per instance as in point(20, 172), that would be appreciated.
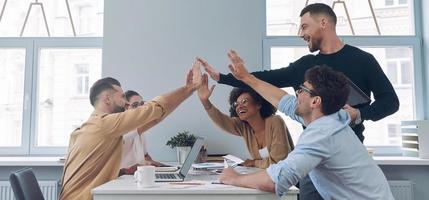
point(181, 174)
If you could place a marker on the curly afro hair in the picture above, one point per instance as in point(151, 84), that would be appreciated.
point(266, 108)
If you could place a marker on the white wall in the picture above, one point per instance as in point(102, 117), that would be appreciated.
point(150, 44)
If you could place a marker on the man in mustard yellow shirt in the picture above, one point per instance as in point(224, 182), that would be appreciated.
point(94, 153)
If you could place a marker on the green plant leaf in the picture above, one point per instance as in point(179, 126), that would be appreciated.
point(183, 138)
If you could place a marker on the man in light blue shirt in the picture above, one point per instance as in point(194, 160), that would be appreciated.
point(327, 150)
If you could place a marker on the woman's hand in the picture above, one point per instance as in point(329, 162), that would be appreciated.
point(248, 163)
point(204, 92)
point(209, 69)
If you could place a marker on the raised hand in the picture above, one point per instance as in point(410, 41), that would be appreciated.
point(194, 78)
point(209, 69)
point(237, 66)
point(204, 92)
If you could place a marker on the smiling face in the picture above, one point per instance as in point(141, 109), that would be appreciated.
point(246, 107)
point(305, 100)
point(311, 31)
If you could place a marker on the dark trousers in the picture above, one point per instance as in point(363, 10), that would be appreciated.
point(307, 191)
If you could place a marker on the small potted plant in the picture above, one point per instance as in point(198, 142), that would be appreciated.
point(183, 142)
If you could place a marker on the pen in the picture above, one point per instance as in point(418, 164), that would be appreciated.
point(217, 183)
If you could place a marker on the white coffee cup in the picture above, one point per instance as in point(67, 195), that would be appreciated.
point(145, 176)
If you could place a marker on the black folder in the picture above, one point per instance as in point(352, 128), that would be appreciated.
point(356, 95)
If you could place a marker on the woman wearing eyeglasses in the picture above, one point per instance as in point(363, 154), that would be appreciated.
point(134, 152)
point(253, 118)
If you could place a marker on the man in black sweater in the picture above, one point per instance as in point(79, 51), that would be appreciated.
point(317, 28)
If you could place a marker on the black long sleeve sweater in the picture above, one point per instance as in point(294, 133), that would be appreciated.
point(359, 66)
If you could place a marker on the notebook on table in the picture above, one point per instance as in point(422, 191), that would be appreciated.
point(181, 174)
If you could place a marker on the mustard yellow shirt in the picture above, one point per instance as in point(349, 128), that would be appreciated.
point(95, 148)
point(277, 138)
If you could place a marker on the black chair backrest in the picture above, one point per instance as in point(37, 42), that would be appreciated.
point(24, 185)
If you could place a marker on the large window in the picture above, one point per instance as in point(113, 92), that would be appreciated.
point(50, 54)
point(63, 92)
point(11, 101)
point(396, 45)
point(355, 17)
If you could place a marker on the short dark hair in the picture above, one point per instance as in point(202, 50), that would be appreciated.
point(266, 108)
point(130, 93)
point(319, 8)
point(101, 85)
point(330, 85)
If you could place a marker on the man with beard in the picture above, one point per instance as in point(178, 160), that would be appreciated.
point(317, 28)
point(94, 153)
point(327, 150)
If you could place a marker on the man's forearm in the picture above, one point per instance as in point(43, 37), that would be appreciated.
point(176, 97)
point(271, 93)
point(229, 79)
point(173, 99)
point(259, 180)
point(384, 105)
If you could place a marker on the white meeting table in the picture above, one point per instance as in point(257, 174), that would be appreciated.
point(125, 187)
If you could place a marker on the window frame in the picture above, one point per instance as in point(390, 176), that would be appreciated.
point(414, 41)
point(32, 46)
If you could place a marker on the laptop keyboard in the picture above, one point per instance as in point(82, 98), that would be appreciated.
point(165, 176)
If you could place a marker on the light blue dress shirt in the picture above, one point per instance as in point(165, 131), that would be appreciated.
point(336, 161)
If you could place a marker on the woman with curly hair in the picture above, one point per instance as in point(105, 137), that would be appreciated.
point(253, 118)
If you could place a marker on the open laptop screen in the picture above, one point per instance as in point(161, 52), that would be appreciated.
point(192, 156)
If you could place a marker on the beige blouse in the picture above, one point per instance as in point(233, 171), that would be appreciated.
point(277, 138)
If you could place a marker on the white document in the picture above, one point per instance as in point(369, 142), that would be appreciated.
point(232, 161)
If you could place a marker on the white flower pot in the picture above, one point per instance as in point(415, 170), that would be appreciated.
point(182, 153)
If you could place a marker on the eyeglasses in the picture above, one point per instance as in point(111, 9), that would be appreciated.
point(242, 102)
point(137, 104)
point(303, 88)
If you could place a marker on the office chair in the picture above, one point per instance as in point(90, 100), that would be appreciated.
point(24, 185)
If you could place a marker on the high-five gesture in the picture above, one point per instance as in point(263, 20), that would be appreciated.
point(271, 93)
point(194, 78)
point(237, 66)
point(209, 69)
point(204, 92)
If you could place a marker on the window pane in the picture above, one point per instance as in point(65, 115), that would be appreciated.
point(402, 1)
point(12, 65)
point(87, 18)
point(393, 53)
point(65, 76)
point(283, 17)
point(392, 72)
point(406, 72)
point(376, 133)
point(82, 79)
